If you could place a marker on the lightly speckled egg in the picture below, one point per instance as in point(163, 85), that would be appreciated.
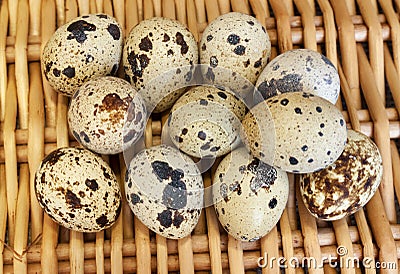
point(205, 121)
point(296, 131)
point(78, 190)
point(159, 56)
point(86, 47)
point(238, 43)
point(107, 115)
point(300, 70)
point(348, 184)
point(249, 195)
point(164, 189)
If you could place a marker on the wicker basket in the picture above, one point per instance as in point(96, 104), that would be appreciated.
point(361, 37)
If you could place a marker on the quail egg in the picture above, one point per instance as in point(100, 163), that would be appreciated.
point(297, 132)
point(86, 47)
point(249, 195)
point(346, 185)
point(164, 189)
point(78, 190)
point(106, 115)
point(300, 70)
point(236, 47)
point(159, 57)
point(205, 121)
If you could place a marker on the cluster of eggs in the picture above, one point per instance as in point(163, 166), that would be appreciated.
point(262, 118)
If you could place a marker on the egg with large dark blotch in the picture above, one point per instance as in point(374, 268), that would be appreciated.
point(164, 189)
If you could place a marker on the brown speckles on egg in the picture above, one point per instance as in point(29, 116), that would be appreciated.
point(348, 184)
point(80, 50)
point(98, 110)
point(152, 48)
point(240, 47)
point(74, 196)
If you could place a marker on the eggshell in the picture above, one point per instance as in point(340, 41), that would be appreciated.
point(249, 195)
point(78, 190)
point(298, 132)
point(238, 43)
point(348, 184)
point(106, 115)
point(159, 57)
point(86, 47)
point(205, 121)
point(164, 189)
point(300, 70)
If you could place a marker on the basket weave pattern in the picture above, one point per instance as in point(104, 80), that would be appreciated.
point(361, 37)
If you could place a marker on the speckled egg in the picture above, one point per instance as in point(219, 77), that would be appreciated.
point(346, 185)
point(300, 70)
point(78, 190)
point(205, 121)
point(249, 195)
point(164, 189)
point(159, 57)
point(106, 115)
point(86, 47)
point(236, 42)
point(297, 132)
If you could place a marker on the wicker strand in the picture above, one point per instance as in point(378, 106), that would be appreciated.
point(396, 171)
point(310, 40)
point(35, 143)
point(3, 60)
point(3, 214)
point(392, 77)
point(270, 249)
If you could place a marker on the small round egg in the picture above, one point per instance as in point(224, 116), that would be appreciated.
point(300, 70)
point(164, 189)
point(205, 121)
point(298, 132)
point(86, 47)
point(348, 184)
point(234, 46)
point(158, 58)
point(78, 190)
point(249, 195)
point(107, 115)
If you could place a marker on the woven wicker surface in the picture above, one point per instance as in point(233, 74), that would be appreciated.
point(361, 37)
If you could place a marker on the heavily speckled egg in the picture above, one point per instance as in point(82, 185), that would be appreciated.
point(346, 185)
point(236, 42)
point(164, 189)
point(300, 70)
point(205, 121)
point(159, 57)
point(107, 115)
point(249, 195)
point(78, 190)
point(86, 47)
point(298, 132)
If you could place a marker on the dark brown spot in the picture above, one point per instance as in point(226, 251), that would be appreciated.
point(258, 63)
point(213, 61)
point(92, 184)
point(181, 42)
point(178, 219)
point(174, 195)
point(209, 37)
point(102, 16)
point(272, 203)
point(170, 52)
point(102, 221)
point(184, 131)
point(56, 72)
point(166, 38)
point(239, 50)
point(222, 95)
point(210, 74)
point(138, 63)
point(135, 199)
point(53, 157)
point(114, 31)
point(165, 218)
point(145, 44)
point(202, 135)
point(247, 63)
point(72, 200)
point(78, 30)
point(69, 72)
point(233, 39)
point(203, 102)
